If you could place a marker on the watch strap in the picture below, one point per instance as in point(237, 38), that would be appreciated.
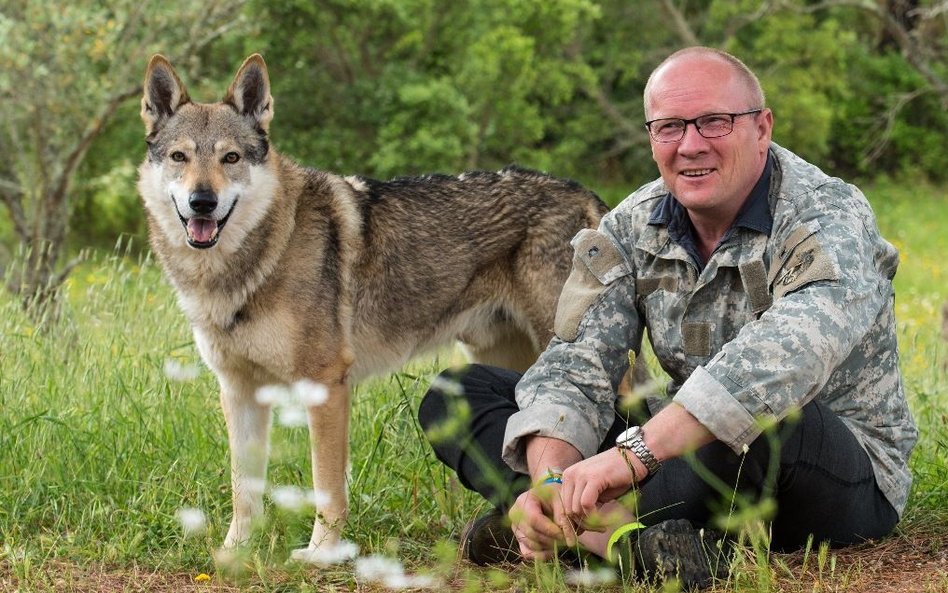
point(636, 444)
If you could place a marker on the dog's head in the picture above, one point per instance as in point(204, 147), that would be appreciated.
point(208, 165)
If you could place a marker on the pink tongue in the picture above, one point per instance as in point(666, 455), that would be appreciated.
point(202, 230)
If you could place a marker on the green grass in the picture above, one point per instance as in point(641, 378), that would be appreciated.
point(99, 448)
point(915, 219)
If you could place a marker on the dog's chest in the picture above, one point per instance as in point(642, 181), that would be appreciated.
point(231, 340)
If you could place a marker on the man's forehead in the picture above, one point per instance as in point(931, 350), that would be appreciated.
point(698, 69)
point(704, 80)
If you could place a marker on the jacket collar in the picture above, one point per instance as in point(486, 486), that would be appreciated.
point(669, 218)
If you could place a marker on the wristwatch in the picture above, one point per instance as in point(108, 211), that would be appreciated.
point(633, 439)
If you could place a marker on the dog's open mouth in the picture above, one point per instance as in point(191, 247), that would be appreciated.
point(204, 232)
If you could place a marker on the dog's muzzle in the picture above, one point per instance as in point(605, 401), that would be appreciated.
point(203, 229)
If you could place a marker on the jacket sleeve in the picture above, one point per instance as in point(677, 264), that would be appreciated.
point(570, 392)
point(830, 274)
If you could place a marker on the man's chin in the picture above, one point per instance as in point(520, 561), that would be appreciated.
point(695, 198)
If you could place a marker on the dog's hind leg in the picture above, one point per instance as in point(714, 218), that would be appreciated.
point(248, 430)
point(329, 438)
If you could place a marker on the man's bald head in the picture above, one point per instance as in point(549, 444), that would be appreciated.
point(748, 80)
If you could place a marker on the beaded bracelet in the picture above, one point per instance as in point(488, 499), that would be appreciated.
point(554, 475)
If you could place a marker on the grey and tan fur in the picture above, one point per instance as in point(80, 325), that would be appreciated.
point(288, 273)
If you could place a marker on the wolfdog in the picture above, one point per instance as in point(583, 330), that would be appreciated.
point(292, 274)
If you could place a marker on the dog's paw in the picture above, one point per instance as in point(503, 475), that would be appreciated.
point(326, 554)
point(236, 537)
point(241, 530)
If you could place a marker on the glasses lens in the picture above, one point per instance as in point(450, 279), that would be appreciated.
point(667, 130)
point(715, 125)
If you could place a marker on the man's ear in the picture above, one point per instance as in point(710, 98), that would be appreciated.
point(765, 127)
point(163, 93)
point(249, 94)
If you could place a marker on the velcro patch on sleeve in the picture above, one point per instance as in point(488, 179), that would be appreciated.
point(802, 260)
point(600, 255)
point(597, 262)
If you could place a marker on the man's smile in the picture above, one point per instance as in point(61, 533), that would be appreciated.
point(696, 172)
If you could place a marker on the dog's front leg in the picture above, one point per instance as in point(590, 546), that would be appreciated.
point(329, 436)
point(248, 431)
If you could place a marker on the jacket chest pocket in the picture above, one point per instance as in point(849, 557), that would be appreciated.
point(690, 327)
point(661, 305)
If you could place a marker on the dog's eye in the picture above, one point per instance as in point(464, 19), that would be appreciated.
point(231, 157)
point(178, 156)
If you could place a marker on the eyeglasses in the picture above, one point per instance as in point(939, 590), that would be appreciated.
point(712, 125)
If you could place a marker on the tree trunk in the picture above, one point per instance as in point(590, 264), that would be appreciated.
point(904, 15)
point(38, 276)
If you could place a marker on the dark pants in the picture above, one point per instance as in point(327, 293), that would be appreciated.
point(820, 477)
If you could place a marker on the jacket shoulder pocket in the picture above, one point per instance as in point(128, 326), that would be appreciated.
point(597, 263)
point(801, 260)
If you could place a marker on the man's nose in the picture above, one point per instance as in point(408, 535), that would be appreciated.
point(692, 140)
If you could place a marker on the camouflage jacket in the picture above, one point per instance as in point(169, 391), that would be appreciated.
point(773, 321)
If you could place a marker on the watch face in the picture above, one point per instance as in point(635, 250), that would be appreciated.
point(629, 434)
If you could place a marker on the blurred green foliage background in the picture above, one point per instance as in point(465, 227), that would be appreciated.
point(399, 87)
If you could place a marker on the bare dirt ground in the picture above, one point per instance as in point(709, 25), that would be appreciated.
point(915, 563)
point(903, 564)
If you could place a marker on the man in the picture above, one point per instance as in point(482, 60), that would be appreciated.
point(766, 290)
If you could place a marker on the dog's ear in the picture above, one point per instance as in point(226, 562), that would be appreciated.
point(249, 94)
point(163, 93)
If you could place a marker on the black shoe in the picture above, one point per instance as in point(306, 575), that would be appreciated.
point(675, 549)
point(489, 540)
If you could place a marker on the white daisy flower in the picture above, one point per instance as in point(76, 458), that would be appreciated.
point(192, 520)
point(178, 371)
point(309, 393)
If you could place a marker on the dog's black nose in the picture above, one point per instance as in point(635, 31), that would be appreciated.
point(202, 201)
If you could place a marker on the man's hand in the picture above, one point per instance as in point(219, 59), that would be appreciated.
point(606, 476)
point(594, 481)
point(540, 521)
point(538, 517)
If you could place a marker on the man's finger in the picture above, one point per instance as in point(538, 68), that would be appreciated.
point(543, 530)
point(534, 540)
point(589, 500)
point(568, 528)
point(540, 520)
